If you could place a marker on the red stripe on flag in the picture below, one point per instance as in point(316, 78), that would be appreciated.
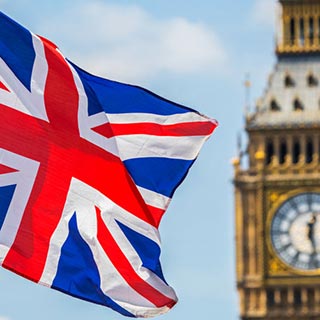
point(157, 213)
point(175, 130)
point(4, 169)
point(2, 86)
point(48, 42)
point(125, 268)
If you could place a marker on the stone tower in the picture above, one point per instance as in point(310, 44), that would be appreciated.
point(277, 196)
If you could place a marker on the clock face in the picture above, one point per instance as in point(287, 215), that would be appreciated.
point(295, 231)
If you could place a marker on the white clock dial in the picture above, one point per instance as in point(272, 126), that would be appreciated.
point(295, 231)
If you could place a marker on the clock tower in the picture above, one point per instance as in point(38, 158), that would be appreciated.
point(277, 194)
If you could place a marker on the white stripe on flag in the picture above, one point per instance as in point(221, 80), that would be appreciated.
point(85, 125)
point(143, 146)
point(31, 103)
point(155, 118)
point(24, 180)
point(154, 199)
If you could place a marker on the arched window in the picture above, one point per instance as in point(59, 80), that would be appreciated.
point(283, 152)
point(312, 81)
point(274, 106)
point(301, 32)
point(311, 30)
point(311, 296)
point(309, 151)
point(288, 81)
point(319, 28)
point(297, 297)
point(296, 151)
point(269, 152)
point(270, 298)
point(283, 296)
point(297, 105)
point(293, 31)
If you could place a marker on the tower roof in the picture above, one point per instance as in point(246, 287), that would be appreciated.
point(292, 97)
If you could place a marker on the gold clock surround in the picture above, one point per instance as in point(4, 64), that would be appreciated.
point(276, 266)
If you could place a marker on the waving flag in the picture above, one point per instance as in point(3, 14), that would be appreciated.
point(87, 168)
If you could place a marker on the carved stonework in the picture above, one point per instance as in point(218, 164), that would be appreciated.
point(275, 267)
point(273, 197)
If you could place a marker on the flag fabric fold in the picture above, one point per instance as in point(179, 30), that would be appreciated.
point(88, 166)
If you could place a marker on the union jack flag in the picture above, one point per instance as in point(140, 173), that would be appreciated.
point(87, 168)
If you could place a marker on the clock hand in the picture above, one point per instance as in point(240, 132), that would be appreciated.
point(311, 231)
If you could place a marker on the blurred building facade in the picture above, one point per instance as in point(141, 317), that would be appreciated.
point(277, 195)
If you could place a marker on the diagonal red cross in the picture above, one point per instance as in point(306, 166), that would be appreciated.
point(63, 154)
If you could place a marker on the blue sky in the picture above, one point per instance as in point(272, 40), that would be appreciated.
point(196, 53)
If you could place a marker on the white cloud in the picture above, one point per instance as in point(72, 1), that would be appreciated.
point(1, 317)
point(264, 12)
point(127, 43)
